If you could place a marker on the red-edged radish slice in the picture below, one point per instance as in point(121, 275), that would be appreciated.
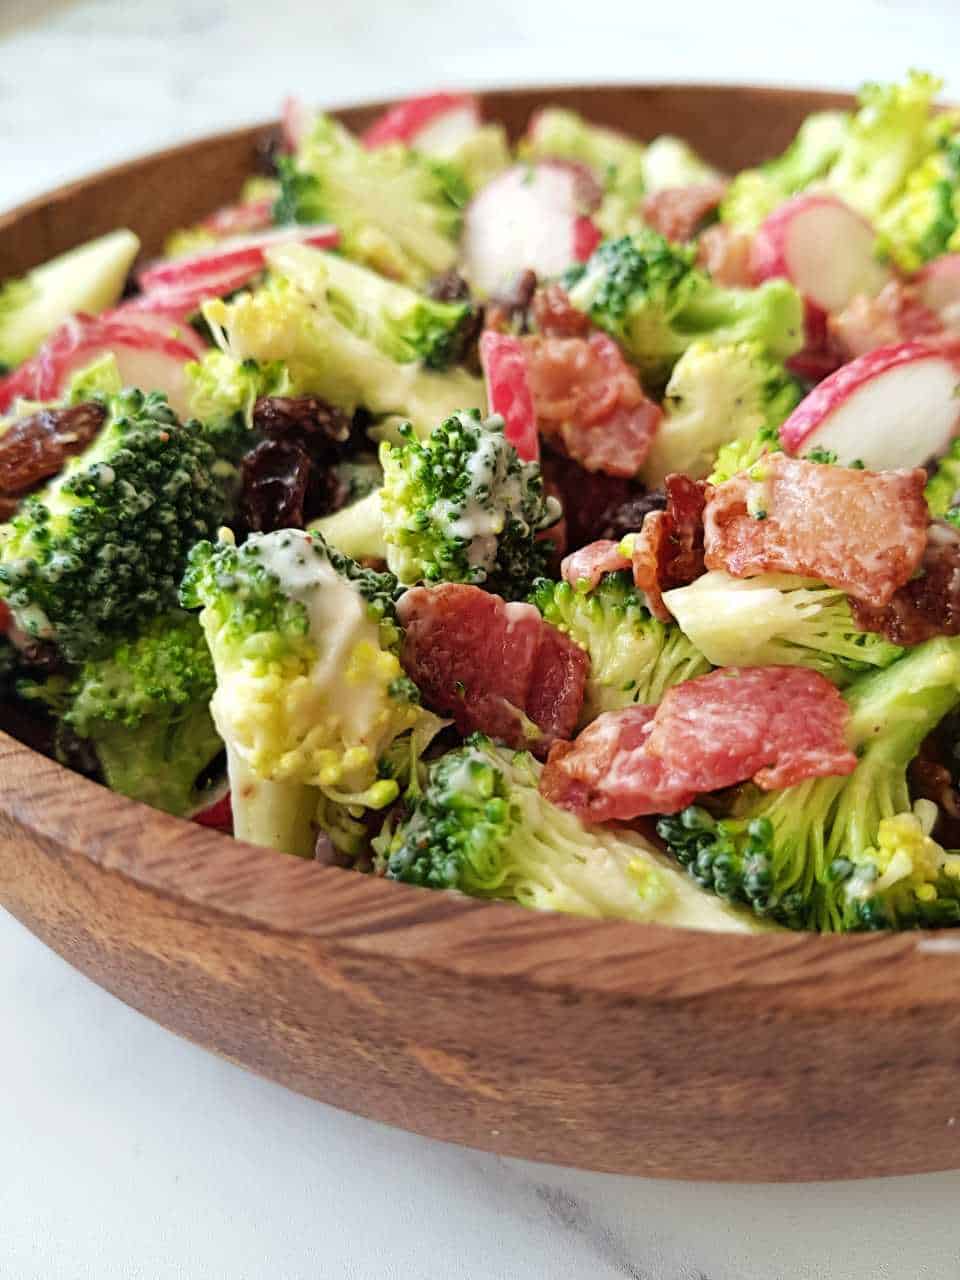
point(508, 391)
point(160, 321)
point(529, 217)
point(436, 123)
point(296, 121)
point(823, 247)
point(896, 406)
point(939, 286)
point(217, 813)
point(179, 302)
point(241, 219)
point(232, 255)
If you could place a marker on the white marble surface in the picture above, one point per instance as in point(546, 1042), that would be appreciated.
point(127, 1154)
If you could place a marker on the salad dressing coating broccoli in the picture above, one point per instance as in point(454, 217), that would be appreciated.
point(837, 854)
point(482, 827)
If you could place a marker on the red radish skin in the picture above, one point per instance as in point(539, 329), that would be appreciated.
point(232, 255)
point(894, 407)
point(241, 219)
point(218, 815)
point(158, 321)
point(436, 118)
point(939, 286)
point(508, 391)
point(295, 123)
point(823, 247)
point(586, 236)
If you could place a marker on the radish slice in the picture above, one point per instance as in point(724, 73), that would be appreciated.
point(241, 219)
point(896, 406)
point(160, 321)
point(508, 391)
point(436, 124)
point(529, 217)
point(218, 813)
point(823, 247)
point(232, 255)
point(296, 121)
point(939, 285)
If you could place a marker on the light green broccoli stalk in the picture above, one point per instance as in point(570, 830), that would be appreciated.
point(921, 223)
point(649, 295)
point(482, 827)
point(462, 507)
point(777, 619)
point(755, 193)
point(616, 159)
point(716, 396)
point(943, 488)
point(103, 546)
point(310, 692)
point(145, 709)
point(324, 358)
point(397, 211)
point(837, 854)
point(893, 132)
point(634, 658)
point(403, 324)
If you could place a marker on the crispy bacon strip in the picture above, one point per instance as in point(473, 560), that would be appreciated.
point(668, 550)
point(725, 253)
point(862, 531)
point(592, 562)
point(896, 314)
point(679, 212)
point(926, 606)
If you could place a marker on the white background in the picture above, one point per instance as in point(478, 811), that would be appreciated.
point(125, 1153)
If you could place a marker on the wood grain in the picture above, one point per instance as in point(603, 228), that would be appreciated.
point(609, 1046)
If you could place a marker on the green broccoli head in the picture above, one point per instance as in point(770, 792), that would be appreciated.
point(403, 324)
point(634, 658)
point(921, 223)
point(740, 455)
point(397, 211)
point(838, 854)
point(649, 295)
point(321, 356)
point(943, 488)
point(717, 396)
point(104, 545)
point(145, 709)
point(480, 826)
point(223, 393)
point(616, 159)
point(777, 619)
point(462, 507)
point(755, 193)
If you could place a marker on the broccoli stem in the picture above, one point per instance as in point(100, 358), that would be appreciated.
point(277, 815)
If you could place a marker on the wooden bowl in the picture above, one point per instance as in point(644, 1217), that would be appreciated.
point(610, 1046)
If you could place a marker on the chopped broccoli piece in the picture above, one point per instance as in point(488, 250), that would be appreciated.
point(482, 827)
point(819, 855)
point(649, 295)
point(717, 396)
point(481, 156)
point(755, 193)
point(777, 619)
point(740, 455)
point(616, 159)
point(462, 507)
point(324, 358)
point(403, 324)
point(921, 223)
point(671, 162)
point(145, 709)
point(943, 488)
point(398, 211)
point(891, 134)
point(224, 392)
point(102, 547)
point(310, 692)
point(634, 658)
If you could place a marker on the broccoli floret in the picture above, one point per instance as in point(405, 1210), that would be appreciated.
point(672, 162)
point(815, 855)
point(481, 156)
point(634, 658)
point(403, 324)
point(145, 709)
point(777, 619)
point(223, 392)
point(310, 692)
point(717, 396)
point(943, 488)
point(482, 827)
point(740, 455)
point(103, 546)
point(755, 193)
point(649, 295)
point(922, 222)
point(322, 357)
point(616, 159)
point(462, 507)
point(893, 132)
point(397, 211)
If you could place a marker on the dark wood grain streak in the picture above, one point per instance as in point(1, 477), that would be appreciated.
point(610, 1046)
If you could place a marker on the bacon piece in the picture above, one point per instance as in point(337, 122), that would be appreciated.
point(777, 725)
point(928, 605)
point(679, 212)
point(896, 314)
point(491, 666)
point(587, 397)
point(862, 531)
point(35, 448)
point(668, 550)
point(590, 563)
point(555, 316)
point(725, 253)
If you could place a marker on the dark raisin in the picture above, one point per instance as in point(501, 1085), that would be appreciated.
point(274, 479)
point(314, 424)
point(627, 516)
point(268, 148)
point(35, 448)
point(449, 287)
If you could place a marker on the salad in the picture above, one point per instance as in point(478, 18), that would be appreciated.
point(563, 522)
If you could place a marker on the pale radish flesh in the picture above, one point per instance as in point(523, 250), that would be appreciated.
point(160, 322)
point(893, 407)
point(233, 254)
point(296, 122)
point(436, 123)
point(823, 247)
point(531, 217)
